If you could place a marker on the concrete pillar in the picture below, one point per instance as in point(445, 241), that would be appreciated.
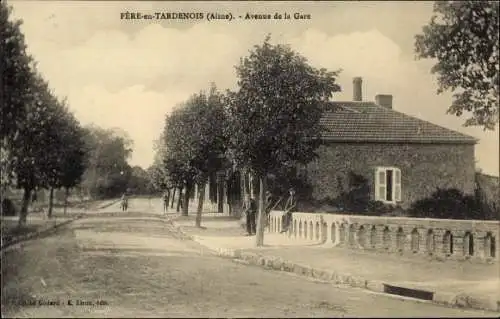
point(480, 244)
point(379, 237)
point(337, 241)
point(363, 234)
point(387, 238)
point(430, 242)
point(438, 235)
point(342, 234)
point(310, 231)
point(399, 239)
point(317, 231)
point(305, 229)
point(422, 233)
point(327, 234)
point(412, 240)
point(352, 241)
point(459, 244)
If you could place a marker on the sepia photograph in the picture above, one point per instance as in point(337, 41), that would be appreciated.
point(249, 159)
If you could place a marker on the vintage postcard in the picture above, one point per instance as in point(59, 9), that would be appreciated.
point(249, 159)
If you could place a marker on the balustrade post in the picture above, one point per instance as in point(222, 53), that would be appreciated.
point(458, 244)
point(408, 239)
point(379, 237)
point(422, 235)
point(479, 244)
point(352, 235)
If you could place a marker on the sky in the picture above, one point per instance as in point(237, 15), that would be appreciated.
point(131, 73)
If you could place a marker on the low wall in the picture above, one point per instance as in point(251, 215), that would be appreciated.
point(446, 238)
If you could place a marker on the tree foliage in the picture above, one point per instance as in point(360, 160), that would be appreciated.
point(46, 151)
point(139, 181)
point(275, 112)
point(195, 140)
point(159, 179)
point(15, 67)
point(107, 171)
point(463, 36)
point(15, 89)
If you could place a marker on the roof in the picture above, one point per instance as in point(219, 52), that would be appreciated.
point(370, 122)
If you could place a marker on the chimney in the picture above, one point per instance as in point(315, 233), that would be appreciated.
point(357, 94)
point(384, 100)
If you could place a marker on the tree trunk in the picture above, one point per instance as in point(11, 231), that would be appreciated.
point(201, 197)
point(66, 195)
point(51, 202)
point(251, 185)
point(220, 196)
point(259, 242)
point(173, 198)
point(23, 214)
point(179, 200)
point(187, 195)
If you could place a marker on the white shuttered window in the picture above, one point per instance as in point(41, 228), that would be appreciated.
point(388, 184)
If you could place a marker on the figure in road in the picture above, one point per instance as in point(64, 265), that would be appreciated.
point(180, 200)
point(166, 200)
point(251, 215)
point(290, 207)
point(124, 202)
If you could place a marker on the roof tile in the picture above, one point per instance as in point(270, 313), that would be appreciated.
point(369, 122)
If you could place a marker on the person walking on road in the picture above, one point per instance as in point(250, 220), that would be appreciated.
point(290, 207)
point(124, 202)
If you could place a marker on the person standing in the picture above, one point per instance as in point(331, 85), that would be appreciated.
point(290, 207)
point(251, 214)
point(166, 200)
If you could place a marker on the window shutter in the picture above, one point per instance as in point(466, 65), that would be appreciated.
point(397, 185)
point(380, 184)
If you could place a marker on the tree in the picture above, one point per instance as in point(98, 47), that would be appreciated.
point(463, 37)
point(275, 113)
point(159, 179)
point(69, 154)
point(139, 180)
point(15, 89)
point(196, 143)
point(33, 148)
point(108, 172)
point(205, 140)
point(180, 150)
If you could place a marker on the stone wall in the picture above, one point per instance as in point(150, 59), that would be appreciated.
point(424, 167)
point(440, 238)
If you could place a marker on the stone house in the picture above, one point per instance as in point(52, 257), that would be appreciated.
point(371, 150)
point(392, 157)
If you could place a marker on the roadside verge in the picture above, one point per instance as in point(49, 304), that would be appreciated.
point(462, 299)
point(43, 230)
point(51, 226)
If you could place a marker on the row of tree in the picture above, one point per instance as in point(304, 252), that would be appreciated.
point(43, 145)
point(270, 124)
point(42, 142)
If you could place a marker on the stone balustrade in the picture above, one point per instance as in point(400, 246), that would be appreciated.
point(476, 240)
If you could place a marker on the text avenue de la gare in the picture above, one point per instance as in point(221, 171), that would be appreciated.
point(211, 16)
